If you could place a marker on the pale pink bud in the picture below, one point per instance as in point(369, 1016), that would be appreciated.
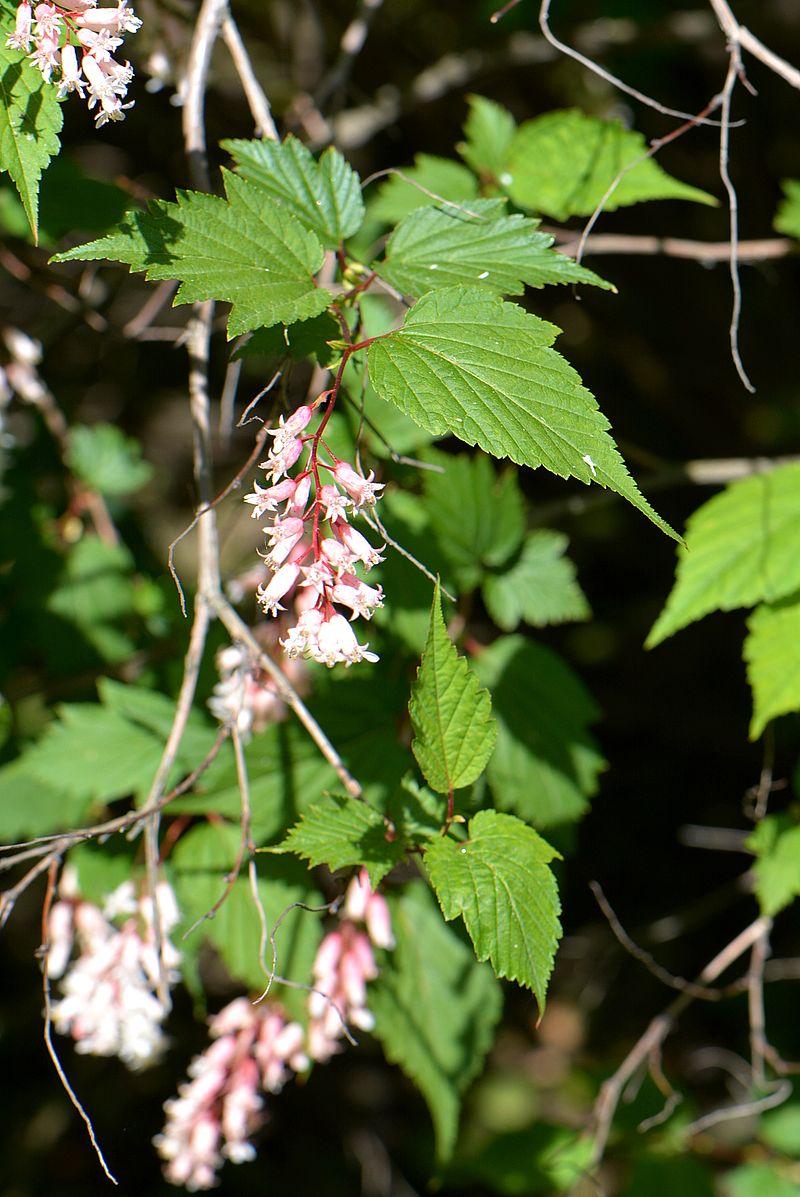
point(379, 922)
point(267, 498)
point(20, 39)
point(298, 420)
point(301, 495)
point(363, 491)
point(359, 547)
point(358, 894)
point(269, 596)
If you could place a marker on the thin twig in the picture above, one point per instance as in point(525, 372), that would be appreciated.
point(742, 36)
point(48, 1027)
point(351, 44)
point(654, 148)
point(254, 93)
point(652, 965)
point(734, 72)
point(657, 1031)
point(595, 68)
point(707, 252)
point(239, 630)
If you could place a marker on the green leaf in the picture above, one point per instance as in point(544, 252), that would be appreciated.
point(107, 460)
point(155, 713)
point(429, 181)
point(442, 247)
point(787, 218)
point(30, 806)
point(454, 733)
point(286, 774)
point(780, 1129)
point(30, 121)
point(435, 1009)
point(758, 1180)
point(308, 338)
point(200, 862)
point(340, 832)
point(94, 592)
point(101, 868)
point(471, 365)
point(539, 1159)
point(772, 653)
point(489, 131)
point(241, 249)
point(742, 548)
point(541, 587)
point(93, 753)
point(499, 882)
point(776, 844)
point(546, 762)
point(563, 163)
point(325, 196)
point(69, 200)
point(477, 515)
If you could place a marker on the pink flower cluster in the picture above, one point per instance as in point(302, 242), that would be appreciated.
point(217, 1112)
point(110, 1005)
point(312, 545)
point(343, 965)
point(59, 30)
point(220, 1108)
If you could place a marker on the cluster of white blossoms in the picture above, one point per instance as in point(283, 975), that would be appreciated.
point(59, 32)
point(255, 1048)
point(110, 1004)
point(313, 548)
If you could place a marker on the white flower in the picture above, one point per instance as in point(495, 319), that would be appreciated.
point(71, 77)
point(362, 600)
point(282, 582)
point(337, 644)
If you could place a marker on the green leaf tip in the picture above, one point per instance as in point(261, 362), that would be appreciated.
point(469, 364)
point(454, 732)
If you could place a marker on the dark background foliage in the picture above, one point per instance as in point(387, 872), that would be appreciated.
point(674, 728)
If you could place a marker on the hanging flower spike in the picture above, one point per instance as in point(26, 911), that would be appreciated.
point(312, 540)
point(219, 1109)
point(110, 1004)
point(59, 30)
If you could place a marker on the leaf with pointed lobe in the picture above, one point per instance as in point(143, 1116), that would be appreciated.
point(564, 163)
point(441, 247)
point(429, 181)
point(472, 365)
point(324, 195)
point(499, 881)
point(340, 832)
point(742, 548)
point(243, 250)
point(488, 133)
point(435, 1009)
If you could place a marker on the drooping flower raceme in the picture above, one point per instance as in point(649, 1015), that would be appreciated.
point(54, 35)
point(110, 1004)
point(311, 545)
point(219, 1109)
point(344, 964)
